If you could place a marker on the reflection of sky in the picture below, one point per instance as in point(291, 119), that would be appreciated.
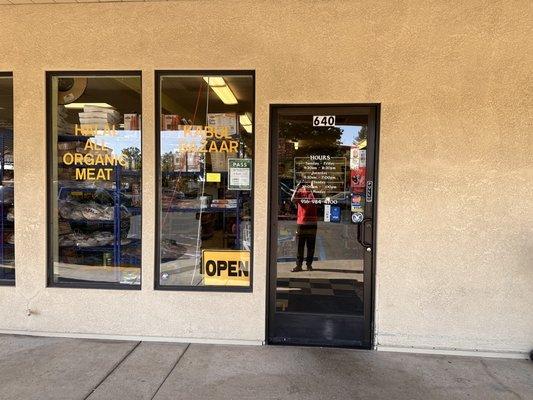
point(120, 141)
point(349, 134)
point(171, 139)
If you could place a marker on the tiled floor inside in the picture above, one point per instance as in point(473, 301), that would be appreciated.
point(319, 295)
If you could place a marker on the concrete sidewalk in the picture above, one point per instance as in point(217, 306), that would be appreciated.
point(54, 368)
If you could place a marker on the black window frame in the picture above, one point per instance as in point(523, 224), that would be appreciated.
point(10, 282)
point(158, 74)
point(49, 75)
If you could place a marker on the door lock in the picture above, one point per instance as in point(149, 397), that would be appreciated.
point(369, 249)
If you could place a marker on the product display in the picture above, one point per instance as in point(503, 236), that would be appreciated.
point(7, 201)
point(90, 239)
point(132, 122)
point(224, 203)
point(62, 125)
point(99, 117)
point(174, 122)
point(89, 211)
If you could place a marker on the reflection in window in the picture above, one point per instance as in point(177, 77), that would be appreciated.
point(95, 170)
point(206, 149)
point(7, 221)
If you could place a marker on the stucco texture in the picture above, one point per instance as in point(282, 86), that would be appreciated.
point(455, 206)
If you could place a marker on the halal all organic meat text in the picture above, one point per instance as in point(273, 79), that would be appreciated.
point(95, 156)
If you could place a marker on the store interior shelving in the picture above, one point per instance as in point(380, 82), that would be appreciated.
point(99, 234)
point(7, 223)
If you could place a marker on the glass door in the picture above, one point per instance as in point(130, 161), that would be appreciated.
point(322, 197)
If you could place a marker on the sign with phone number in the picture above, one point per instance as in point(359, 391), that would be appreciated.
point(318, 201)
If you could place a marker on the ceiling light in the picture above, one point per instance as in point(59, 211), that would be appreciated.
point(215, 80)
point(82, 105)
point(225, 94)
point(220, 87)
point(246, 122)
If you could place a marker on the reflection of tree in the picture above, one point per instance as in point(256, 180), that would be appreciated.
point(312, 140)
point(248, 140)
point(363, 133)
point(167, 165)
point(134, 157)
point(167, 161)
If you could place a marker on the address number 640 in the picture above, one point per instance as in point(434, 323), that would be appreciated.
point(324, 120)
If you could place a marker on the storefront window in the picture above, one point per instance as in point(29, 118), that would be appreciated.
point(7, 201)
point(95, 179)
point(206, 183)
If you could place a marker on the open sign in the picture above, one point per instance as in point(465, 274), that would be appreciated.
point(226, 267)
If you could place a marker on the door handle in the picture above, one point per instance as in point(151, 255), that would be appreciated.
point(362, 229)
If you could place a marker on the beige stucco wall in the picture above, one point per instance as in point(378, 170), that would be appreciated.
point(455, 215)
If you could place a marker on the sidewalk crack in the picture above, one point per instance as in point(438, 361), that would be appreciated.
point(111, 370)
point(169, 372)
point(498, 381)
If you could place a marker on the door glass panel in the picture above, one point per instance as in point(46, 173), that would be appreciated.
point(321, 202)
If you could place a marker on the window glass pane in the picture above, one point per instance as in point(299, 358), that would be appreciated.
point(7, 221)
point(206, 150)
point(95, 170)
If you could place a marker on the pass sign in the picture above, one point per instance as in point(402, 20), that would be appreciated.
point(323, 120)
point(239, 174)
point(226, 267)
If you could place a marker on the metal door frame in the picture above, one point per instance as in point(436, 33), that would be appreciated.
point(373, 112)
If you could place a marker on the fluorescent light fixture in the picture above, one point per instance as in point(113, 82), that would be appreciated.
point(246, 122)
point(225, 94)
point(220, 87)
point(215, 80)
point(79, 106)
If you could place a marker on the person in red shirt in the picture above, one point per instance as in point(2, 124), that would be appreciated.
point(306, 225)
